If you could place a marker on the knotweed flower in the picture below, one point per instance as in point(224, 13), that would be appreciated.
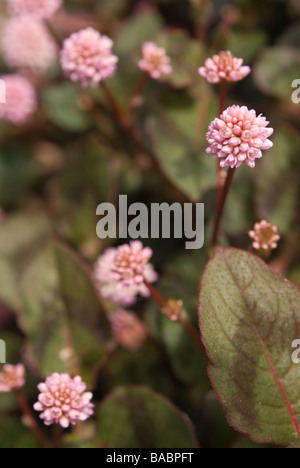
point(120, 273)
point(224, 66)
point(40, 9)
point(12, 377)
point(63, 400)
point(21, 100)
point(128, 330)
point(155, 61)
point(26, 43)
point(238, 136)
point(87, 57)
point(265, 236)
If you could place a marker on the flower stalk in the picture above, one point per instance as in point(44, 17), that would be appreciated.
point(30, 420)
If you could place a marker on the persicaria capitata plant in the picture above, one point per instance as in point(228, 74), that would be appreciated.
point(149, 226)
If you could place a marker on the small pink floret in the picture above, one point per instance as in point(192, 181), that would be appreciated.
point(128, 330)
point(26, 43)
point(39, 9)
point(120, 273)
point(155, 61)
point(224, 67)
point(87, 57)
point(239, 136)
point(21, 100)
point(63, 400)
point(265, 236)
point(12, 377)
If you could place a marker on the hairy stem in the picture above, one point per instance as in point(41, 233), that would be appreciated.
point(220, 179)
point(221, 205)
point(187, 327)
point(137, 93)
point(30, 420)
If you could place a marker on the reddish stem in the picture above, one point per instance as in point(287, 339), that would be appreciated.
point(221, 205)
point(114, 106)
point(138, 91)
point(187, 327)
point(31, 422)
point(220, 180)
point(155, 295)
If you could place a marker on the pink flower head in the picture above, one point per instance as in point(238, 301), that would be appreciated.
point(120, 272)
point(26, 43)
point(155, 61)
point(63, 400)
point(224, 66)
point(21, 100)
point(87, 57)
point(39, 9)
point(265, 236)
point(238, 136)
point(12, 377)
point(128, 329)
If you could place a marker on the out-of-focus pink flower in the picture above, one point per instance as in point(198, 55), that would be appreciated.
point(63, 400)
point(155, 61)
point(224, 66)
point(128, 330)
point(12, 377)
point(26, 43)
point(40, 9)
point(21, 100)
point(238, 136)
point(120, 272)
point(87, 57)
point(265, 236)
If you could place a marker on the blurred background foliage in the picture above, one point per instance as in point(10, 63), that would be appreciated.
point(72, 156)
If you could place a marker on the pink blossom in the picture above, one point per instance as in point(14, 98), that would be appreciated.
point(238, 136)
point(63, 400)
point(12, 377)
point(39, 9)
point(155, 61)
point(26, 43)
point(265, 236)
point(87, 57)
point(128, 329)
point(224, 66)
point(120, 272)
point(21, 100)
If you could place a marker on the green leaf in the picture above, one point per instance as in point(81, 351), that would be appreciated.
point(277, 181)
point(136, 417)
point(21, 235)
point(62, 108)
point(249, 319)
point(180, 281)
point(246, 44)
point(178, 144)
point(276, 70)
point(141, 27)
point(186, 55)
point(19, 171)
point(62, 312)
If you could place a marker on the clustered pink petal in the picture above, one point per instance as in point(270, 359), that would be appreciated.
point(40, 9)
point(26, 43)
point(63, 400)
point(87, 57)
point(224, 66)
point(128, 330)
point(21, 100)
point(120, 272)
point(12, 377)
point(238, 136)
point(265, 236)
point(155, 61)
